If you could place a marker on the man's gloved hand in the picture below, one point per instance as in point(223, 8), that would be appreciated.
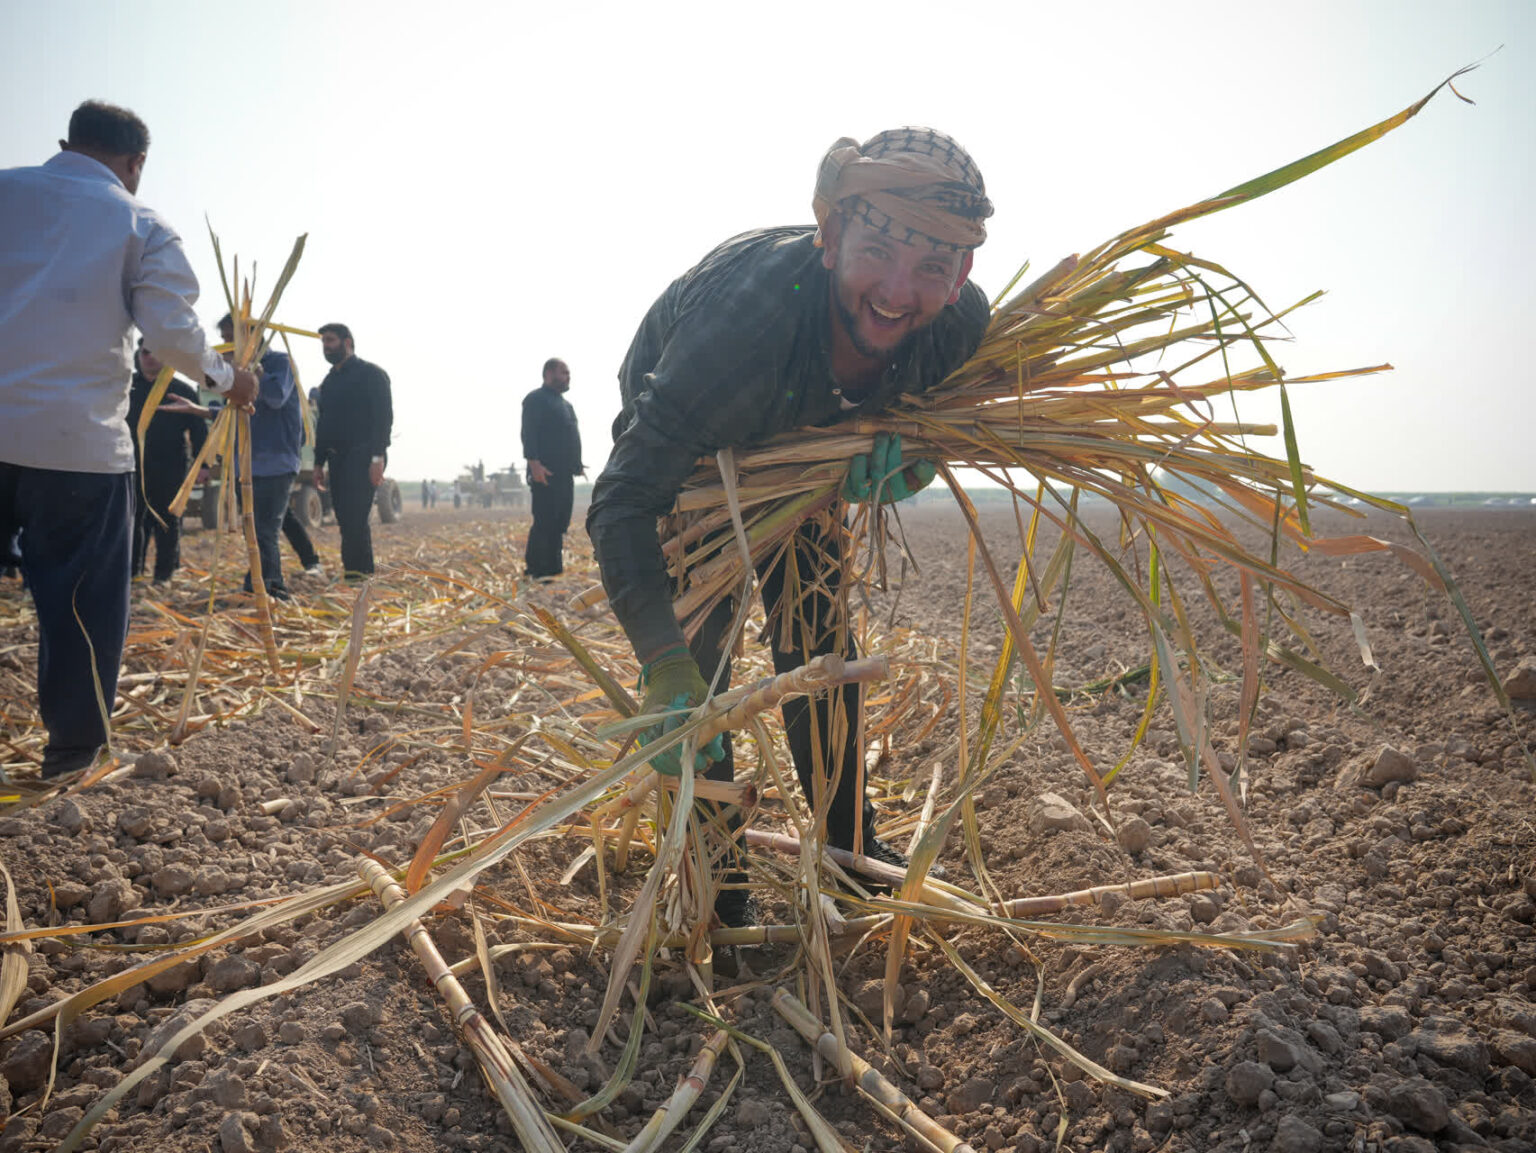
point(882, 472)
point(672, 682)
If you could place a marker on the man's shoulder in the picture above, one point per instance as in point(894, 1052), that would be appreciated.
point(82, 184)
point(760, 252)
point(973, 310)
point(774, 271)
point(368, 368)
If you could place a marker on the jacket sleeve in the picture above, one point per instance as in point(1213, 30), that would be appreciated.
point(712, 382)
point(532, 430)
point(383, 413)
point(161, 292)
point(194, 426)
point(276, 381)
point(322, 432)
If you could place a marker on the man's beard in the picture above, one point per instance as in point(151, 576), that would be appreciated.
point(850, 322)
point(334, 355)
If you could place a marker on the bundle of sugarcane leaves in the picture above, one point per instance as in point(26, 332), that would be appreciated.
point(1102, 377)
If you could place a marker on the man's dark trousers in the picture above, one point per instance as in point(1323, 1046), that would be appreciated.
point(152, 521)
point(269, 501)
point(76, 550)
point(298, 537)
point(551, 502)
point(823, 739)
point(352, 500)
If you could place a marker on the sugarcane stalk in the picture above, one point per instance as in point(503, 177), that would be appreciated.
point(734, 710)
point(934, 892)
point(349, 667)
point(624, 836)
point(253, 550)
point(675, 1108)
point(496, 1062)
point(1168, 885)
point(607, 937)
point(929, 802)
point(865, 1077)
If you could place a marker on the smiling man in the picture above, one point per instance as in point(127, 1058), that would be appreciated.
point(774, 330)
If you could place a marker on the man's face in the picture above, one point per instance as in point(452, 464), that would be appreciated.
point(227, 336)
point(559, 377)
point(335, 348)
point(148, 365)
point(884, 291)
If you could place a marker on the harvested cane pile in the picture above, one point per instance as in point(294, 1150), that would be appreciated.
point(1069, 386)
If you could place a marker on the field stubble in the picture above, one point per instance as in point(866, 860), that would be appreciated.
point(1408, 1023)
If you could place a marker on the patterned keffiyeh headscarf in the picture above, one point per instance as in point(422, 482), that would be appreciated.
point(913, 184)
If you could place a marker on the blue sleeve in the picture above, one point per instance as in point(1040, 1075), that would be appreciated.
point(276, 380)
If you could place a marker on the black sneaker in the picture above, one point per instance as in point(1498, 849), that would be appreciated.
point(59, 762)
point(884, 852)
point(736, 908)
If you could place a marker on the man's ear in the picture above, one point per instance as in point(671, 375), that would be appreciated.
point(965, 274)
point(831, 237)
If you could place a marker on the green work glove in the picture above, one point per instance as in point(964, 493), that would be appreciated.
point(672, 682)
point(881, 472)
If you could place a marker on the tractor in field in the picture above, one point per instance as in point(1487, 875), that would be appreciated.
point(502, 489)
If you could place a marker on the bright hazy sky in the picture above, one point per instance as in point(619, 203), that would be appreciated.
point(485, 186)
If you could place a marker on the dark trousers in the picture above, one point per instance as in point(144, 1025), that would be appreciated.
point(76, 551)
point(352, 500)
point(298, 537)
point(269, 501)
point(152, 521)
point(823, 739)
point(552, 502)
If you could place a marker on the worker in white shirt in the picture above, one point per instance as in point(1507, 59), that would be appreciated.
point(82, 261)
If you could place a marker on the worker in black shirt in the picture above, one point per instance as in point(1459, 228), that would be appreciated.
point(552, 448)
point(351, 442)
point(773, 330)
point(173, 439)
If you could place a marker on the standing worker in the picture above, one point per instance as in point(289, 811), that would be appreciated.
point(774, 330)
point(82, 260)
point(277, 432)
point(175, 436)
point(552, 448)
point(352, 442)
point(293, 528)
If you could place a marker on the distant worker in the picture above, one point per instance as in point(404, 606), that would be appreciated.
point(175, 436)
point(352, 443)
point(432, 489)
point(82, 260)
point(426, 493)
point(552, 448)
point(277, 433)
point(293, 528)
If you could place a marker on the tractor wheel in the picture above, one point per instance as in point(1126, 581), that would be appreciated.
point(210, 506)
point(307, 506)
point(391, 506)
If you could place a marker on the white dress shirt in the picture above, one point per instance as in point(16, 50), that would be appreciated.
point(81, 262)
